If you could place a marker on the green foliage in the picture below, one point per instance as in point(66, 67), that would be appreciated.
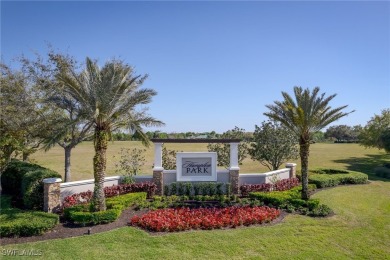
point(11, 179)
point(223, 150)
point(331, 177)
point(130, 163)
point(290, 201)
point(16, 222)
point(168, 159)
point(197, 188)
point(344, 133)
point(273, 145)
point(383, 171)
point(82, 215)
point(376, 133)
point(305, 115)
point(32, 187)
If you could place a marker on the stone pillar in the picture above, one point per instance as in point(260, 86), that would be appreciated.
point(293, 169)
point(234, 170)
point(234, 177)
point(158, 177)
point(52, 193)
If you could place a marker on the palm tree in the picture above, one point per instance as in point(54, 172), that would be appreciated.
point(107, 97)
point(306, 115)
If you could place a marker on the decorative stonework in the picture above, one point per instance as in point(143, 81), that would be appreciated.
point(234, 177)
point(159, 181)
point(293, 169)
point(52, 192)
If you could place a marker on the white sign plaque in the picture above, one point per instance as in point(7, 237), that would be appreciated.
point(196, 166)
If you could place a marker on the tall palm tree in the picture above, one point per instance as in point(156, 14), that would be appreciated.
point(306, 115)
point(108, 97)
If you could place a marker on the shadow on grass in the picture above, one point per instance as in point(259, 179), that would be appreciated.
point(366, 164)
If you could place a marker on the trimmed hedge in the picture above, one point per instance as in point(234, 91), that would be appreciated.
point(291, 201)
point(197, 188)
point(333, 179)
point(32, 187)
point(16, 222)
point(11, 179)
point(80, 214)
point(23, 180)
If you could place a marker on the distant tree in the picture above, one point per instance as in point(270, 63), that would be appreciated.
point(339, 132)
point(273, 145)
point(318, 137)
point(376, 132)
point(308, 113)
point(108, 97)
point(223, 150)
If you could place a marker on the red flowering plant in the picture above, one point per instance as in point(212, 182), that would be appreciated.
point(181, 219)
point(115, 190)
point(280, 185)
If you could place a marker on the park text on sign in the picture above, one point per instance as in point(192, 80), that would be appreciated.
point(196, 166)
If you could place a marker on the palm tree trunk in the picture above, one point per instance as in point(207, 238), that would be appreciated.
point(99, 167)
point(304, 146)
point(68, 150)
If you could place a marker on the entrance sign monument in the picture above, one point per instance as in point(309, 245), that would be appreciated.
point(196, 166)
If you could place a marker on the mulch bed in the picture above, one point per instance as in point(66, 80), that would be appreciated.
point(65, 230)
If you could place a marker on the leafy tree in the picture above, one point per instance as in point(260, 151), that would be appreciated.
point(168, 159)
point(308, 113)
point(108, 97)
point(376, 132)
point(130, 163)
point(23, 118)
point(343, 133)
point(273, 145)
point(223, 150)
point(69, 127)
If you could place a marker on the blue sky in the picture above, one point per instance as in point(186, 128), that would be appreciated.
point(216, 65)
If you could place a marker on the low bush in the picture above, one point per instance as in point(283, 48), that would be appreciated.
point(280, 185)
point(291, 201)
point(16, 222)
point(198, 188)
point(383, 172)
point(181, 219)
point(81, 214)
point(323, 180)
point(23, 181)
point(11, 179)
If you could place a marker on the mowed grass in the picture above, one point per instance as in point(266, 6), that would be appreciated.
point(322, 155)
point(360, 229)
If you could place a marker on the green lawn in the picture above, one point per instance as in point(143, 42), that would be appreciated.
point(360, 230)
point(342, 156)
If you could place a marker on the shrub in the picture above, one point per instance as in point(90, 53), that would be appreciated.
point(323, 180)
point(32, 187)
point(383, 172)
point(16, 222)
point(11, 179)
point(81, 214)
point(291, 201)
point(185, 219)
point(321, 210)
